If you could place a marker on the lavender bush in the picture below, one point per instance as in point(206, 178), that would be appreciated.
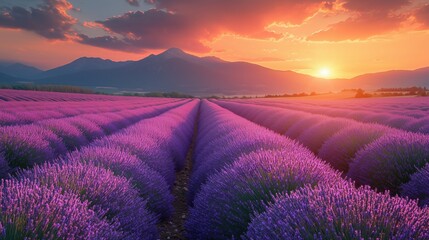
point(26, 145)
point(418, 186)
point(71, 135)
point(224, 206)
point(30, 211)
point(390, 161)
point(89, 129)
point(240, 144)
point(316, 135)
point(151, 184)
point(300, 126)
point(340, 212)
point(341, 148)
point(146, 149)
point(105, 192)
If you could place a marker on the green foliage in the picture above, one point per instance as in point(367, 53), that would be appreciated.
point(48, 88)
point(361, 94)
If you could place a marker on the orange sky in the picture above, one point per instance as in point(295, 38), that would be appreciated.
point(347, 37)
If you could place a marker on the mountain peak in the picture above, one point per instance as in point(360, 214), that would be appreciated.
point(91, 59)
point(174, 53)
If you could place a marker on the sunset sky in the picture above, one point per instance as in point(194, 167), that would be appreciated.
point(334, 38)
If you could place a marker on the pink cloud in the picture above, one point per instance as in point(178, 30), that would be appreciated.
point(368, 19)
point(134, 3)
point(359, 28)
point(188, 24)
point(374, 5)
point(422, 15)
point(49, 20)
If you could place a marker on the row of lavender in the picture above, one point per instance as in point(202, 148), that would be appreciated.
point(116, 188)
point(36, 96)
point(26, 145)
point(412, 106)
point(17, 113)
point(415, 119)
point(251, 183)
point(370, 154)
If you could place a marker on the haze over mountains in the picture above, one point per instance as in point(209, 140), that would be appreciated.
point(175, 70)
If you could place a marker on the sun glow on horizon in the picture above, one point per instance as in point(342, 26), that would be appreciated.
point(324, 72)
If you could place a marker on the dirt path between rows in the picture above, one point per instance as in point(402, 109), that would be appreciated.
point(174, 228)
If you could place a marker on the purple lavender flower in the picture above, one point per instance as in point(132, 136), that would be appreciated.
point(230, 151)
point(104, 122)
point(417, 124)
point(8, 119)
point(340, 212)
point(418, 186)
point(30, 211)
point(4, 165)
point(316, 135)
point(224, 206)
point(146, 149)
point(26, 145)
point(390, 161)
point(71, 135)
point(300, 126)
point(89, 129)
point(151, 184)
point(105, 192)
point(341, 148)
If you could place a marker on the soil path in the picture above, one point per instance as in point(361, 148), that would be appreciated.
point(174, 228)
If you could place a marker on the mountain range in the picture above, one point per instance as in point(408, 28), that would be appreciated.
point(175, 70)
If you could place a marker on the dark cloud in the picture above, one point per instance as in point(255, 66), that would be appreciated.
point(134, 3)
point(188, 24)
point(49, 20)
point(422, 15)
point(374, 5)
point(368, 19)
point(154, 29)
point(245, 17)
point(191, 24)
point(108, 42)
point(359, 28)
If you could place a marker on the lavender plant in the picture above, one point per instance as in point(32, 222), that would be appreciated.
point(151, 184)
point(390, 161)
point(232, 196)
point(340, 212)
point(31, 211)
point(105, 192)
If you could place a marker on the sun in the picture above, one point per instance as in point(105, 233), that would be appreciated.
point(325, 72)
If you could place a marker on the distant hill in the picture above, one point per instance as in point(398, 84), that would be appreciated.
point(175, 70)
point(7, 79)
point(80, 65)
point(19, 70)
point(395, 78)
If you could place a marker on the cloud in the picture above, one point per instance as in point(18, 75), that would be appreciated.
point(422, 15)
point(367, 19)
point(108, 42)
point(244, 17)
point(359, 28)
point(374, 5)
point(153, 29)
point(49, 20)
point(134, 3)
point(192, 23)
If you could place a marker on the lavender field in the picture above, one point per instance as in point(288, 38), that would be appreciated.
point(82, 166)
